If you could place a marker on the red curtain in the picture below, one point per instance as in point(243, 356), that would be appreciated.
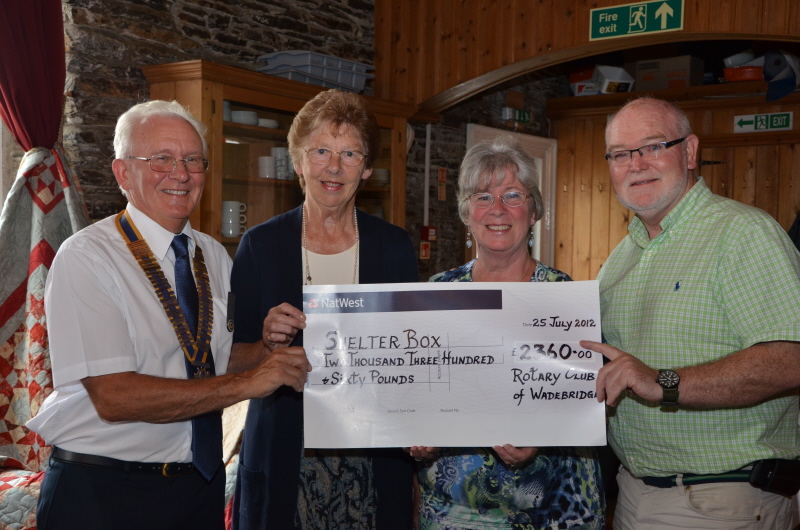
point(32, 70)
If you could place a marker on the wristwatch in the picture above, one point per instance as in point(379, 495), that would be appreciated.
point(669, 381)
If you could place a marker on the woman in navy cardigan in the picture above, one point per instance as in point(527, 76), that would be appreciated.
point(334, 140)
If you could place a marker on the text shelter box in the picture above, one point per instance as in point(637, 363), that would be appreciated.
point(452, 364)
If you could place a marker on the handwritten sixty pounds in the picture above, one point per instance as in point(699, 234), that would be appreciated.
point(452, 364)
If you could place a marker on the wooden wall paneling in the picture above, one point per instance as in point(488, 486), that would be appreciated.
point(749, 15)
point(435, 38)
point(382, 85)
point(582, 229)
point(465, 60)
point(744, 185)
point(728, 171)
point(712, 16)
point(564, 24)
point(789, 192)
point(793, 23)
point(487, 17)
point(491, 35)
point(581, 18)
point(523, 30)
point(503, 45)
point(564, 130)
point(717, 176)
point(767, 181)
point(540, 39)
point(702, 122)
point(776, 17)
point(722, 121)
point(448, 53)
point(401, 42)
point(416, 34)
point(601, 199)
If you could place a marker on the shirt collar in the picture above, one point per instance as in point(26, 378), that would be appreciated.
point(158, 238)
point(694, 199)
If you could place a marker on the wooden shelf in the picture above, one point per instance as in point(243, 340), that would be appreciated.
point(722, 95)
point(241, 130)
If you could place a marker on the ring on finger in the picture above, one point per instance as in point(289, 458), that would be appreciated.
point(269, 338)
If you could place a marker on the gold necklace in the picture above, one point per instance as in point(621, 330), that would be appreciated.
point(305, 247)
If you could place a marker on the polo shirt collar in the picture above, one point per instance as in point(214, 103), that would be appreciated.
point(158, 238)
point(693, 201)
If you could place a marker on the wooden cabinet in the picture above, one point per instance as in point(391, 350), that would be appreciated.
point(761, 169)
point(234, 148)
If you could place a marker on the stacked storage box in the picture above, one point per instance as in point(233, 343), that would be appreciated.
point(316, 69)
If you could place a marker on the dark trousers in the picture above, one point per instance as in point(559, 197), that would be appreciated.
point(85, 497)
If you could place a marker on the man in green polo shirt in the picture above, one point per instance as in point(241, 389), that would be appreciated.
point(701, 314)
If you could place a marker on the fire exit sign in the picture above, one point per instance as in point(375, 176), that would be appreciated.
point(776, 121)
point(636, 19)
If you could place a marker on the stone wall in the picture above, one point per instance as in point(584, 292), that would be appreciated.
point(109, 40)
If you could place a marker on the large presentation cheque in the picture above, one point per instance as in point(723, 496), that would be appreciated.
point(452, 364)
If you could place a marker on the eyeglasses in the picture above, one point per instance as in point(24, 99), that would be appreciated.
point(193, 164)
point(647, 152)
point(321, 155)
point(513, 199)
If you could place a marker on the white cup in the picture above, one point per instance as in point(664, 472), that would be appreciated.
point(233, 229)
point(233, 218)
point(233, 207)
point(266, 167)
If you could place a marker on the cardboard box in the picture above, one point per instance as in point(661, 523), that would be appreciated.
point(672, 72)
point(611, 79)
point(580, 81)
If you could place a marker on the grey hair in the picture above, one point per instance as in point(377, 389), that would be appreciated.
point(485, 165)
point(681, 119)
point(141, 113)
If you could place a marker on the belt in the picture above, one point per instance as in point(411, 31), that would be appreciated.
point(169, 469)
point(688, 479)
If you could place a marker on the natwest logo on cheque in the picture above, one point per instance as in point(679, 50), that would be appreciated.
point(341, 301)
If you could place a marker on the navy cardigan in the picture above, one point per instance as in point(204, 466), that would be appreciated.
point(267, 272)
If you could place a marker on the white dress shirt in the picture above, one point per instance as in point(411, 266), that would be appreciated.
point(103, 317)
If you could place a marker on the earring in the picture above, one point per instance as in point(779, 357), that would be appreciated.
point(469, 238)
point(530, 241)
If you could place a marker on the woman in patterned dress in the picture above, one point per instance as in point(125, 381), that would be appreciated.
point(505, 487)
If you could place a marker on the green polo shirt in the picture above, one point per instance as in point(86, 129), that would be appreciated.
point(721, 276)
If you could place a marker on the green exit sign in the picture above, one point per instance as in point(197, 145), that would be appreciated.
point(775, 121)
point(636, 19)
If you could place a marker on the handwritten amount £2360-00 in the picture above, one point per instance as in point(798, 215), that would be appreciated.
point(538, 353)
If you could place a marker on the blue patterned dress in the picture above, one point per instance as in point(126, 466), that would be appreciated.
point(473, 489)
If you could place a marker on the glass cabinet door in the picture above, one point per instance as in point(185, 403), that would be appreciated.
point(257, 171)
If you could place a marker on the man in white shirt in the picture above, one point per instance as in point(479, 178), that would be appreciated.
point(140, 341)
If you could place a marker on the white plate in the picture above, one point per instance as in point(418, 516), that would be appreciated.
point(244, 116)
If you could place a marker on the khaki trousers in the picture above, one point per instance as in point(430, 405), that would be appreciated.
point(717, 506)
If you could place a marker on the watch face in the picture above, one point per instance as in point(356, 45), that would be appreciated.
point(668, 379)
